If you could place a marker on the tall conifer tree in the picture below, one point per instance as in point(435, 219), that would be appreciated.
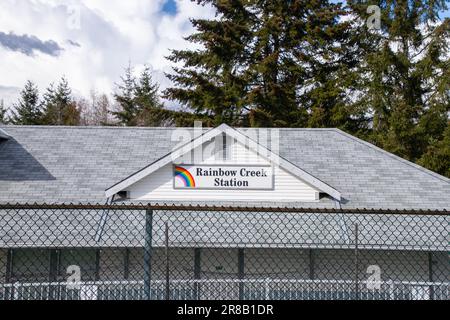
point(27, 111)
point(265, 63)
point(150, 110)
point(59, 105)
point(404, 75)
point(128, 110)
point(212, 81)
point(437, 155)
point(138, 100)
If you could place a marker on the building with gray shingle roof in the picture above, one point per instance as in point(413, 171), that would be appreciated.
point(95, 164)
point(77, 164)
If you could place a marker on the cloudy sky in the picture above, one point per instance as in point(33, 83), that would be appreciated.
point(88, 41)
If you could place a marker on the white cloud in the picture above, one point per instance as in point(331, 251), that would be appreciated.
point(110, 33)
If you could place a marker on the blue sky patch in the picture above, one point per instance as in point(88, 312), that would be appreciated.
point(170, 7)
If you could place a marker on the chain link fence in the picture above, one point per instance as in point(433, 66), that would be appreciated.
point(121, 252)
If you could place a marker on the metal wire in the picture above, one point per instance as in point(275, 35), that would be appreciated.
point(163, 251)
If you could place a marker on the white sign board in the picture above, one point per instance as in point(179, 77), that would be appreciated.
point(239, 177)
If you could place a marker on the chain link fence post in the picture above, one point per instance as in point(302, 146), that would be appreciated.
point(148, 254)
point(197, 273)
point(430, 274)
point(166, 233)
point(356, 262)
point(241, 270)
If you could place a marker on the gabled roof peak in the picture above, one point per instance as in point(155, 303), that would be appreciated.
point(238, 136)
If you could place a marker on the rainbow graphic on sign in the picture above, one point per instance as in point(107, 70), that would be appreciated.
point(185, 176)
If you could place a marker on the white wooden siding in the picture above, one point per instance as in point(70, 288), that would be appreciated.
point(159, 185)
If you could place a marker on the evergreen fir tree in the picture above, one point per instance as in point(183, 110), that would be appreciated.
point(49, 106)
point(295, 66)
point(27, 111)
point(404, 75)
point(266, 63)
point(139, 102)
point(437, 156)
point(149, 108)
point(212, 81)
point(128, 110)
point(59, 106)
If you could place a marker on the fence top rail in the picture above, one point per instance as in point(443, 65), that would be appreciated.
point(156, 206)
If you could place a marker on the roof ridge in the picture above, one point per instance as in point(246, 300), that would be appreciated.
point(153, 128)
point(393, 156)
point(93, 127)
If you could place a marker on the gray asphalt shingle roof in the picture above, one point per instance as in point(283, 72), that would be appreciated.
point(77, 164)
